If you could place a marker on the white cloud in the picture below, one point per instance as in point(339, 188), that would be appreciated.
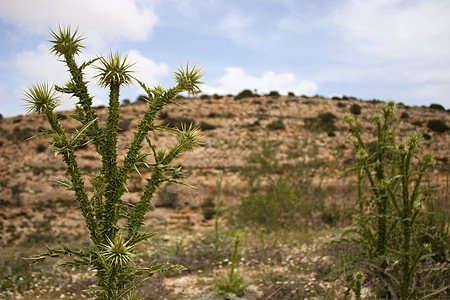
point(396, 29)
point(104, 20)
point(236, 80)
point(146, 70)
point(39, 66)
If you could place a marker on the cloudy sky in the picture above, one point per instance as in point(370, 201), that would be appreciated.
point(384, 49)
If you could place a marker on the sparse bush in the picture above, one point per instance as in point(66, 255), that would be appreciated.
point(208, 209)
point(437, 126)
point(274, 94)
point(216, 96)
point(417, 123)
point(244, 94)
point(355, 109)
point(404, 115)
point(437, 107)
point(40, 148)
point(178, 122)
point(114, 225)
point(142, 99)
point(205, 97)
point(21, 134)
point(126, 102)
point(279, 195)
point(207, 126)
point(291, 94)
point(276, 125)
point(324, 122)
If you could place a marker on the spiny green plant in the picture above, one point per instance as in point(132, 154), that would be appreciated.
point(217, 214)
point(358, 280)
point(388, 230)
point(114, 225)
point(234, 282)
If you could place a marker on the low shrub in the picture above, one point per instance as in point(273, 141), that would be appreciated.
point(324, 122)
point(437, 107)
point(355, 109)
point(21, 134)
point(244, 94)
point(207, 126)
point(274, 94)
point(437, 126)
point(40, 148)
point(141, 99)
point(276, 125)
point(279, 195)
point(178, 122)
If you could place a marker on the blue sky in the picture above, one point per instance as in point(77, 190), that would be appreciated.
point(384, 49)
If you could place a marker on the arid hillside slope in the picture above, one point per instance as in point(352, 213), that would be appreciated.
point(306, 128)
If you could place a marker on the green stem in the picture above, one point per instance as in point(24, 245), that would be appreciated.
point(217, 211)
point(75, 175)
point(234, 258)
point(110, 170)
point(85, 101)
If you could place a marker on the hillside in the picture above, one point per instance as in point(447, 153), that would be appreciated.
point(298, 128)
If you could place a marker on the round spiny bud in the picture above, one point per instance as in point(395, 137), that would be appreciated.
point(40, 98)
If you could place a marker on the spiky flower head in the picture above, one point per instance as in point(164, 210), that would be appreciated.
point(189, 79)
point(348, 118)
point(40, 98)
point(359, 276)
point(134, 296)
point(189, 138)
point(414, 140)
point(65, 42)
point(114, 70)
point(118, 252)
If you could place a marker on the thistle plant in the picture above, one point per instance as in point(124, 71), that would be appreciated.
point(112, 245)
point(358, 280)
point(387, 227)
point(217, 214)
point(234, 282)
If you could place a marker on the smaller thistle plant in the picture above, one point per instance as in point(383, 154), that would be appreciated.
point(234, 282)
point(387, 229)
point(112, 245)
point(358, 280)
